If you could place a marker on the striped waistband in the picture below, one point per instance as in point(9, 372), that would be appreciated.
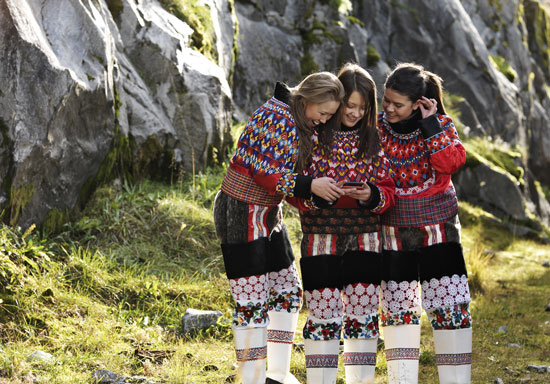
point(243, 188)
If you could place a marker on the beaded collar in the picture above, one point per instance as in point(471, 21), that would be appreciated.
point(346, 131)
point(407, 128)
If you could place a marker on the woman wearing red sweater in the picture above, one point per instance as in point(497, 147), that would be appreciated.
point(422, 232)
point(272, 149)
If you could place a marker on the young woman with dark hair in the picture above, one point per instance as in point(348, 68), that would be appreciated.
point(422, 232)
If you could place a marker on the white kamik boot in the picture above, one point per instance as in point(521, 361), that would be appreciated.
point(402, 343)
point(280, 335)
point(251, 349)
point(321, 360)
point(360, 360)
point(453, 355)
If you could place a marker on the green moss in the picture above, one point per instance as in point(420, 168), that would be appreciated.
point(494, 154)
point(497, 4)
point(118, 163)
point(530, 80)
point(325, 32)
point(372, 56)
point(155, 162)
point(235, 48)
point(451, 102)
point(538, 27)
point(115, 7)
point(503, 67)
point(412, 11)
point(308, 64)
point(355, 20)
point(473, 159)
point(543, 190)
point(197, 15)
point(310, 38)
point(54, 220)
point(18, 200)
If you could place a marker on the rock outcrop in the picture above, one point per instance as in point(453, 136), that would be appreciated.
point(93, 90)
point(88, 94)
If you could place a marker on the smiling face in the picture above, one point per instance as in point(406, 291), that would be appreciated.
point(319, 113)
point(353, 110)
point(397, 106)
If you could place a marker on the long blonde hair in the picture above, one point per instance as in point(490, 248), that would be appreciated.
point(317, 88)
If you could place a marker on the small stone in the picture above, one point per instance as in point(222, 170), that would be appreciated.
point(503, 329)
point(41, 356)
point(298, 347)
point(498, 381)
point(546, 263)
point(29, 379)
point(48, 293)
point(513, 345)
point(103, 376)
point(137, 380)
point(537, 368)
point(197, 319)
point(380, 344)
point(210, 367)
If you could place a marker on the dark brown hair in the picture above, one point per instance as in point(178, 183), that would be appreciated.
point(355, 78)
point(413, 81)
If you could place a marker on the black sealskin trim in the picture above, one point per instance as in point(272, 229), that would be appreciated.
point(399, 265)
point(430, 126)
point(245, 259)
point(282, 93)
point(279, 251)
point(302, 189)
point(374, 199)
point(445, 259)
point(361, 267)
point(321, 271)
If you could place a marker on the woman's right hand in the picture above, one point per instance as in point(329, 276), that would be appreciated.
point(327, 188)
point(427, 106)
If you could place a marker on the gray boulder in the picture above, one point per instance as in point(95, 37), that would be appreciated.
point(492, 189)
point(85, 97)
point(195, 319)
point(41, 356)
point(104, 376)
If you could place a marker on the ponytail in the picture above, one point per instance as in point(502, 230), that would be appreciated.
point(434, 90)
point(413, 81)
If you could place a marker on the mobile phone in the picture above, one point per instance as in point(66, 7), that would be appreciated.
point(353, 185)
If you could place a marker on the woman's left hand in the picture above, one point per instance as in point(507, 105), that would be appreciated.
point(427, 106)
point(360, 194)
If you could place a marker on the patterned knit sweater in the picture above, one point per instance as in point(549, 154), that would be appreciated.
point(347, 215)
point(262, 169)
point(424, 153)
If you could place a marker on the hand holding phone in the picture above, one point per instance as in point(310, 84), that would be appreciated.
point(352, 185)
point(357, 190)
